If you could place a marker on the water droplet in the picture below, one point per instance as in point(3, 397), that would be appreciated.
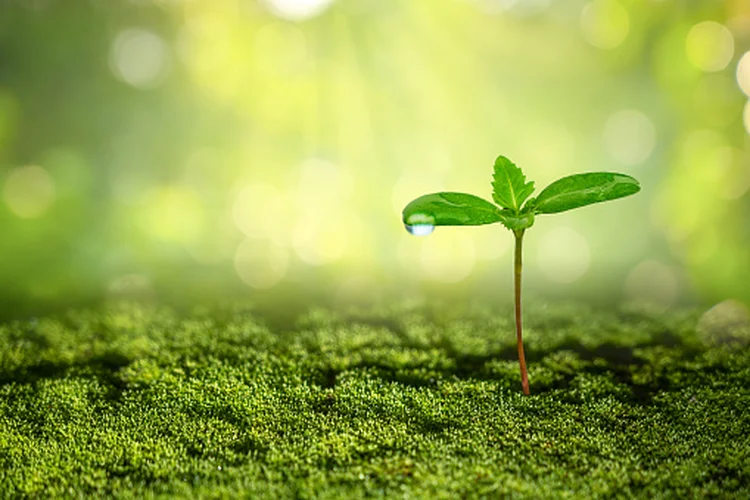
point(419, 224)
point(420, 229)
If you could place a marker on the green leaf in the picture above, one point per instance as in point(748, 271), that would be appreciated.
point(450, 209)
point(509, 186)
point(583, 189)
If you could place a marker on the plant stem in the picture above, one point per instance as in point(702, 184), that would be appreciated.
point(519, 330)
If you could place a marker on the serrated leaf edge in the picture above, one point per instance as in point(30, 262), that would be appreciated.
point(514, 194)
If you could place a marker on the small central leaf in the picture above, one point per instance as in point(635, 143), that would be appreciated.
point(509, 185)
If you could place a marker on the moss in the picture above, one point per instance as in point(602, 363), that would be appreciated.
point(407, 401)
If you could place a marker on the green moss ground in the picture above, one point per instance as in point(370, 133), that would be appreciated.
point(405, 402)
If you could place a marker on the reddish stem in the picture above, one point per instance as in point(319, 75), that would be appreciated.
point(519, 329)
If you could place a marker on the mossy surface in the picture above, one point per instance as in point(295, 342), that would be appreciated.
point(402, 402)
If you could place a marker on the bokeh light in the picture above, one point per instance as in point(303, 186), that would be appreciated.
point(516, 7)
point(735, 174)
point(654, 283)
point(324, 239)
point(492, 243)
point(709, 46)
point(258, 212)
point(448, 258)
point(605, 23)
point(564, 255)
point(260, 263)
point(172, 214)
point(139, 58)
point(29, 191)
point(322, 185)
point(272, 145)
point(743, 73)
point(629, 137)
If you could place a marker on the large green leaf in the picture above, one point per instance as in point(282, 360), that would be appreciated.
point(509, 186)
point(450, 209)
point(583, 189)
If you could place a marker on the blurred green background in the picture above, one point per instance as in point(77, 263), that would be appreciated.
point(207, 148)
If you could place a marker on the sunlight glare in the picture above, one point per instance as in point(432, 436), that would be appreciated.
point(297, 10)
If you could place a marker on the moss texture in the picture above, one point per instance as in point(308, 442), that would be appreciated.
point(403, 402)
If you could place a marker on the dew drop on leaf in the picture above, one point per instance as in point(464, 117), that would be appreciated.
point(419, 229)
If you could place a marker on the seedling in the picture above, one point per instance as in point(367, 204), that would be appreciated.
point(516, 211)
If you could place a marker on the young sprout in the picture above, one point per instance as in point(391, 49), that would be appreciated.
point(516, 211)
